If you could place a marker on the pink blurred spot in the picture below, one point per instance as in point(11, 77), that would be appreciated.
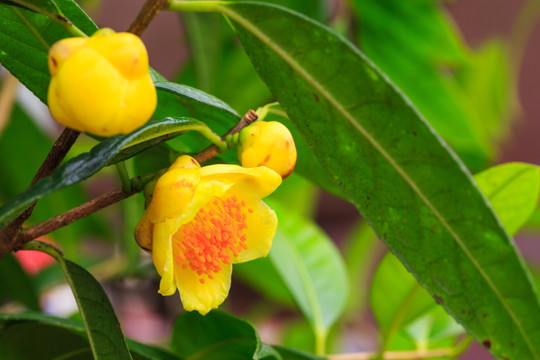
point(34, 261)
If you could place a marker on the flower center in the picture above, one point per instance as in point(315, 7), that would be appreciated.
point(214, 235)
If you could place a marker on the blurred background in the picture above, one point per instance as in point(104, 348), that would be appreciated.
point(490, 74)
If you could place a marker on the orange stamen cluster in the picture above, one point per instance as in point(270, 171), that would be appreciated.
point(214, 235)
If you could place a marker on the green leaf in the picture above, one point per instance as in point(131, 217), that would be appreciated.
point(513, 190)
point(416, 45)
point(181, 100)
point(102, 327)
point(389, 162)
point(30, 341)
point(16, 285)
point(108, 152)
point(45, 7)
point(25, 38)
point(217, 335)
point(307, 163)
point(312, 268)
point(65, 340)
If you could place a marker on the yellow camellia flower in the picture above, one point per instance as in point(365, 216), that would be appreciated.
point(200, 221)
point(101, 84)
point(267, 144)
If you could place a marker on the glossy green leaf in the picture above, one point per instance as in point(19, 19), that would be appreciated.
point(102, 327)
point(64, 340)
point(109, 151)
point(16, 285)
point(217, 335)
point(416, 45)
point(390, 163)
point(30, 341)
point(307, 163)
point(25, 38)
point(312, 268)
point(45, 7)
point(512, 190)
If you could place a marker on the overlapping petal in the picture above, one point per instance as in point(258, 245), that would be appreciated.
point(200, 221)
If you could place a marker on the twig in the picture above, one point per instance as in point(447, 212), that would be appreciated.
point(149, 10)
point(72, 215)
point(8, 235)
point(212, 150)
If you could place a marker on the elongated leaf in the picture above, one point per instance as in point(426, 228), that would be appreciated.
point(45, 7)
point(390, 163)
point(102, 327)
point(107, 152)
point(312, 269)
point(64, 339)
point(433, 68)
point(216, 336)
point(307, 163)
point(513, 190)
point(25, 38)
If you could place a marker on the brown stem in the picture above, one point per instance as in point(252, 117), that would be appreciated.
point(72, 215)
point(149, 10)
point(212, 150)
point(8, 235)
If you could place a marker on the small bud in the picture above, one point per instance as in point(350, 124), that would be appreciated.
point(267, 144)
point(101, 84)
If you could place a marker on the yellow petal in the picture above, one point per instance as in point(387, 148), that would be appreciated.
point(144, 232)
point(173, 193)
point(62, 50)
point(125, 51)
point(259, 181)
point(203, 297)
point(162, 255)
point(261, 227)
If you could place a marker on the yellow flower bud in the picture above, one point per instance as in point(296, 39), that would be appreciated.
point(101, 84)
point(267, 144)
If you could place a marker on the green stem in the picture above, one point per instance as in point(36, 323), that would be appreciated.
point(124, 176)
point(211, 136)
point(43, 247)
point(320, 342)
point(199, 6)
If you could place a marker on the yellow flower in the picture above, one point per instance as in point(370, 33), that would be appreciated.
point(267, 144)
point(101, 84)
point(200, 221)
